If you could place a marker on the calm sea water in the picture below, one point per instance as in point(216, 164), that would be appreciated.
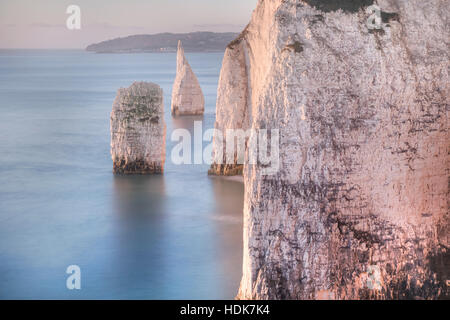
point(175, 236)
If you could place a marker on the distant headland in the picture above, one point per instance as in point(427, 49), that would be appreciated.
point(166, 42)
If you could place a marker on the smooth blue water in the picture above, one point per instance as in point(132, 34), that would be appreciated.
point(176, 236)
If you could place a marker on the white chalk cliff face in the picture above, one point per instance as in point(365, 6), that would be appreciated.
point(138, 130)
point(359, 207)
point(187, 96)
point(232, 103)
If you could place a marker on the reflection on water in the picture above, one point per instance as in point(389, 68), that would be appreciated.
point(229, 196)
point(164, 239)
point(140, 197)
point(175, 236)
point(186, 122)
point(139, 205)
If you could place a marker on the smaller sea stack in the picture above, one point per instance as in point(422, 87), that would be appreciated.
point(138, 130)
point(187, 96)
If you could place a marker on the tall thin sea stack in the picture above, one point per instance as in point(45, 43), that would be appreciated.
point(187, 95)
point(138, 130)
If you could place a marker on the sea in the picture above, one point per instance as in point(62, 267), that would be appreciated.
point(172, 236)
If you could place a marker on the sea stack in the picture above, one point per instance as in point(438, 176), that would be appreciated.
point(232, 105)
point(138, 130)
point(187, 96)
point(359, 207)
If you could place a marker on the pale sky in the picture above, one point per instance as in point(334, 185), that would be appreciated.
point(42, 23)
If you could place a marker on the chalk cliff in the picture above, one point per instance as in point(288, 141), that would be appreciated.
point(187, 96)
point(232, 105)
point(359, 207)
point(138, 130)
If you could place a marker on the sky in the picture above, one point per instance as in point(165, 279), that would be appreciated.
point(41, 24)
